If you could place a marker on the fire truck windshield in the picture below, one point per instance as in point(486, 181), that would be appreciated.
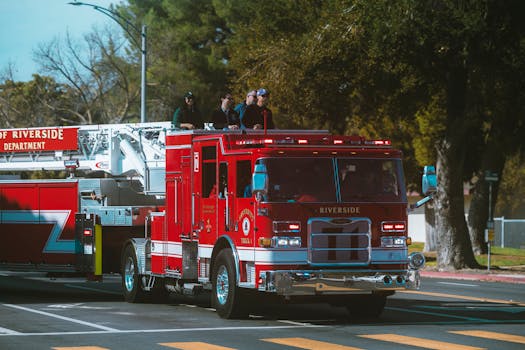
point(375, 180)
point(334, 180)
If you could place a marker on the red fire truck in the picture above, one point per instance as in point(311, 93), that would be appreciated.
point(290, 213)
point(244, 213)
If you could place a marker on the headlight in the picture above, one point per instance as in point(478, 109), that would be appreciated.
point(393, 241)
point(286, 242)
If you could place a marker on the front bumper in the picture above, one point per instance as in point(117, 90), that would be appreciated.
point(326, 282)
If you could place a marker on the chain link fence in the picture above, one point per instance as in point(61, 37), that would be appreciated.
point(509, 233)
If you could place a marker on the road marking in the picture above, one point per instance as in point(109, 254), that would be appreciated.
point(8, 331)
point(493, 336)
point(109, 329)
point(460, 284)
point(77, 306)
point(79, 348)
point(420, 342)
point(308, 344)
point(464, 297)
point(167, 330)
point(195, 345)
point(303, 324)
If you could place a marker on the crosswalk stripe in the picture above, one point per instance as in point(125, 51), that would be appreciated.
point(308, 344)
point(420, 342)
point(80, 348)
point(195, 345)
point(493, 335)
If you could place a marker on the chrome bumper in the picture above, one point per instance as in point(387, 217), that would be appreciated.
point(325, 282)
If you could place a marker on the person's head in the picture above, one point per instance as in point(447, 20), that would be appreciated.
point(262, 97)
point(251, 97)
point(226, 101)
point(189, 98)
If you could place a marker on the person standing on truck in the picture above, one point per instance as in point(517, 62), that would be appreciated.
point(225, 117)
point(258, 116)
point(187, 116)
point(251, 97)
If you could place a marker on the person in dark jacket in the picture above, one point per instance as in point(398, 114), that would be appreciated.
point(251, 98)
point(187, 116)
point(257, 115)
point(225, 116)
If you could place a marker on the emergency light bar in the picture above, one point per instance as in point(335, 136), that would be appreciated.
point(349, 140)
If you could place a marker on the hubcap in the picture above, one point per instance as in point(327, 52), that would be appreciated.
point(222, 285)
point(129, 274)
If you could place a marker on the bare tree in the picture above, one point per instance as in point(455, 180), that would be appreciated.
point(98, 72)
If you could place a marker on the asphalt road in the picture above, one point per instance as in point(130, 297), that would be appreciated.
point(41, 313)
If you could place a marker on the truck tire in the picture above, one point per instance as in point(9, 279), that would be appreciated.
point(226, 297)
point(366, 306)
point(131, 281)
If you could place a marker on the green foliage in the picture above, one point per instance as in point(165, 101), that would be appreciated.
point(38, 102)
point(511, 196)
point(186, 53)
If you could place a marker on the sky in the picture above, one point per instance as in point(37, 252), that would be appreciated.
point(24, 24)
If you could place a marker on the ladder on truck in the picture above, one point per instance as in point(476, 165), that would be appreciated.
point(127, 150)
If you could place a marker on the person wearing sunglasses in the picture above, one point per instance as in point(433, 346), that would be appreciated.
point(187, 116)
point(258, 115)
point(225, 117)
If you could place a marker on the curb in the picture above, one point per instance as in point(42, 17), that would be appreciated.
point(488, 277)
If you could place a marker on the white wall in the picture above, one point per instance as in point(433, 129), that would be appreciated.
point(416, 227)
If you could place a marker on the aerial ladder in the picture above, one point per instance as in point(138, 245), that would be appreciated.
point(121, 150)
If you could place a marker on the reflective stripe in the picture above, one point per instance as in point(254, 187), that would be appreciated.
point(43, 217)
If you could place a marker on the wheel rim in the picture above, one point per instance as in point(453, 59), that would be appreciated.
point(129, 274)
point(222, 287)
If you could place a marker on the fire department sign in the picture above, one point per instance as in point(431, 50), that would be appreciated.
point(38, 139)
point(246, 226)
point(246, 217)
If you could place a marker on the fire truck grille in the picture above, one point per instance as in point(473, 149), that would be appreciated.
point(339, 241)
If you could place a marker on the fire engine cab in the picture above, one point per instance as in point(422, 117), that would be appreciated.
point(290, 213)
point(239, 213)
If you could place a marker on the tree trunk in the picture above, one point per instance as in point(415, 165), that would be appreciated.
point(453, 241)
point(430, 228)
point(454, 250)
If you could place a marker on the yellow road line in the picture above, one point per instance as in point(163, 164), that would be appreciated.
point(464, 297)
point(80, 348)
point(195, 345)
point(420, 342)
point(493, 335)
point(308, 344)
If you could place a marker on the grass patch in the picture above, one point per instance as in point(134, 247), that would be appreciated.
point(501, 257)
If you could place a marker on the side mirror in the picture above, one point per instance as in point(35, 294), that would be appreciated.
point(260, 181)
point(428, 186)
point(429, 180)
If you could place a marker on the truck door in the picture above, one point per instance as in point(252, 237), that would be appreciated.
point(209, 192)
point(244, 216)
